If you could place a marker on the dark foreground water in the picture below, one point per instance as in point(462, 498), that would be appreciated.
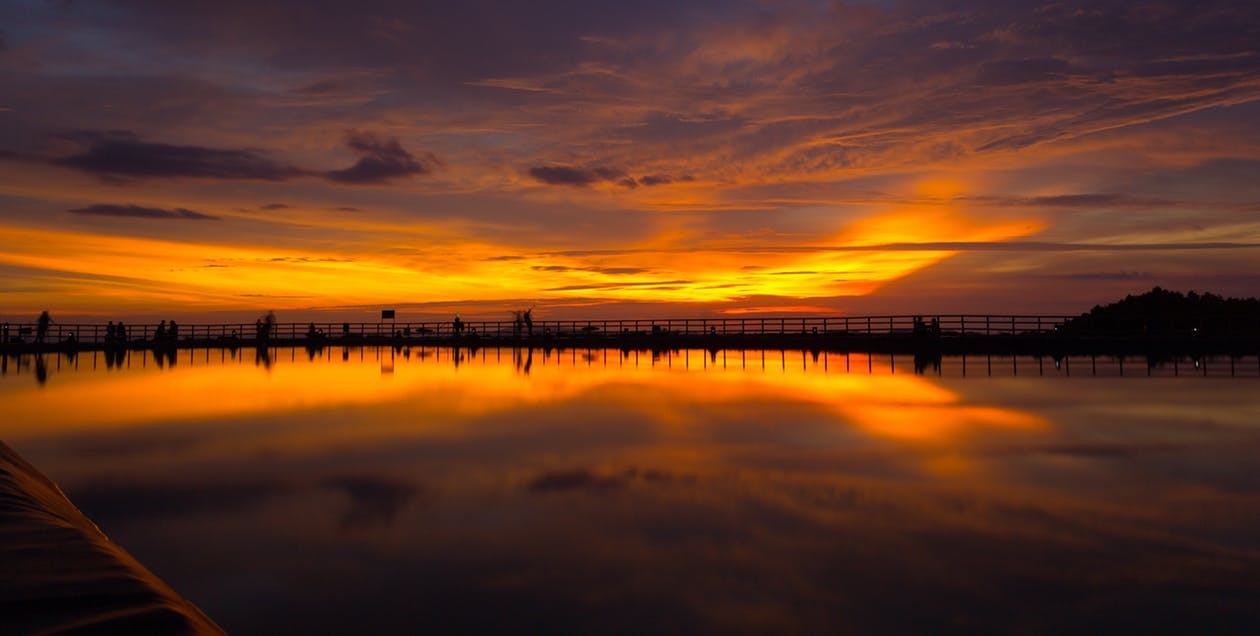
point(505, 491)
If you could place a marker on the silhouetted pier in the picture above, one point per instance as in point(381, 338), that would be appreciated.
point(932, 334)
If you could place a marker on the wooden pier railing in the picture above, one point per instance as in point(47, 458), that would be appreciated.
point(945, 325)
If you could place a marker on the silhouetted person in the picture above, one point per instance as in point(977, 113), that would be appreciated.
point(458, 325)
point(173, 332)
point(111, 333)
point(528, 316)
point(42, 328)
point(160, 334)
point(120, 331)
point(264, 326)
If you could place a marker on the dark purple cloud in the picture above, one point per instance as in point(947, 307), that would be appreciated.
point(582, 177)
point(574, 176)
point(140, 212)
point(274, 206)
point(663, 179)
point(580, 479)
point(655, 179)
point(121, 155)
point(127, 157)
point(382, 160)
point(585, 480)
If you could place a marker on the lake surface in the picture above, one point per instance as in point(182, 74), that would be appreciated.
point(511, 491)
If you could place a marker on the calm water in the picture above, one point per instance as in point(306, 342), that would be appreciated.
point(372, 491)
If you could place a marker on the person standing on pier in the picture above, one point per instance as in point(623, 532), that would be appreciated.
point(42, 327)
point(263, 328)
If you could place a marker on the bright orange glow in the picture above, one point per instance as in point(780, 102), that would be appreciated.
point(90, 272)
point(427, 390)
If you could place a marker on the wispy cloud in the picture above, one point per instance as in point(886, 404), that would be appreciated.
point(141, 212)
point(614, 271)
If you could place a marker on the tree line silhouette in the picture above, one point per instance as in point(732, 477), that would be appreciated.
point(1161, 312)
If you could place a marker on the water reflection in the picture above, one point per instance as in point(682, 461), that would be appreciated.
point(495, 490)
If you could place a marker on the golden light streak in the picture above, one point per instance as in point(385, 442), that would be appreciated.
point(906, 409)
point(677, 263)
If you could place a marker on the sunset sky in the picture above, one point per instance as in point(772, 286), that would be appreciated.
point(650, 158)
